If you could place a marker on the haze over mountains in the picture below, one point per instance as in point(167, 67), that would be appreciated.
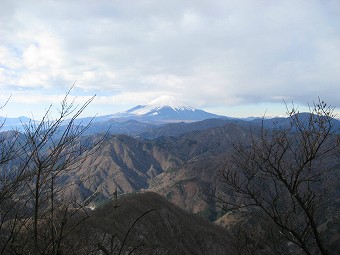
point(150, 120)
point(165, 109)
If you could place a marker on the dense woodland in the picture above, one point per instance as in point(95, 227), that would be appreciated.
point(224, 187)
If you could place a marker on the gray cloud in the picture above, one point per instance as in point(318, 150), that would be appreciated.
point(205, 52)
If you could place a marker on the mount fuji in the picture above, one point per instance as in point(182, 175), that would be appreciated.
point(141, 118)
point(165, 109)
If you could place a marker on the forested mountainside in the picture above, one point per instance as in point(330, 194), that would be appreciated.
point(165, 229)
point(188, 169)
point(133, 164)
point(208, 170)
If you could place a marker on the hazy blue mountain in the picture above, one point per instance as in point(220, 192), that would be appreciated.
point(13, 123)
point(114, 126)
point(281, 122)
point(177, 129)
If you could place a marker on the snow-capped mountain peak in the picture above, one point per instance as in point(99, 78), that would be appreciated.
point(159, 103)
point(164, 109)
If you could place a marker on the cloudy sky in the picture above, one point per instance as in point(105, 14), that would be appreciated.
point(232, 57)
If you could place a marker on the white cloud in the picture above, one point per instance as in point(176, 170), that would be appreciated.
point(210, 53)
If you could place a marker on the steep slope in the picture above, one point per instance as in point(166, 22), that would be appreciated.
point(185, 186)
point(207, 152)
point(172, 166)
point(122, 161)
point(166, 230)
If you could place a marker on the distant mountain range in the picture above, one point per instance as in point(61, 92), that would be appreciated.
point(13, 123)
point(164, 116)
point(165, 109)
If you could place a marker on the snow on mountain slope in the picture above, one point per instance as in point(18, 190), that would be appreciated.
point(165, 109)
point(159, 103)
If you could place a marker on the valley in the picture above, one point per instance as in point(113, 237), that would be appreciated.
point(175, 172)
